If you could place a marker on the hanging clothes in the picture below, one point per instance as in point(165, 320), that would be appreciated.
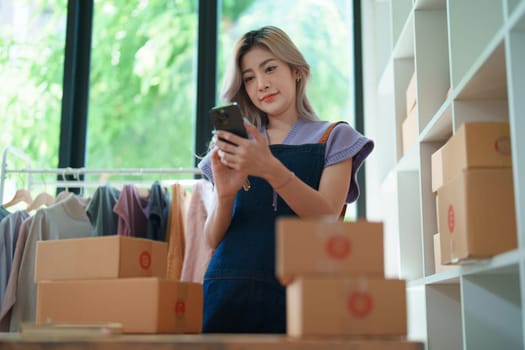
point(197, 253)
point(131, 210)
point(180, 199)
point(9, 232)
point(3, 212)
point(158, 212)
point(10, 290)
point(66, 219)
point(100, 210)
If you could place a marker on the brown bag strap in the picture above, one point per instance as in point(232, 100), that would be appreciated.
point(323, 140)
point(327, 132)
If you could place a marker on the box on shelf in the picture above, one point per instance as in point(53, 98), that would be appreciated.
point(100, 257)
point(346, 306)
point(334, 247)
point(476, 145)
point(438, 266)
point(141, 305)
point(476, 215)
point(411, 94)
point(410, 130)
point(436, 161)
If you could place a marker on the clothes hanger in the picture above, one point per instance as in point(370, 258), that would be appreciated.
point(142, 191)
point(43, 198)
point(21, 195)
point(62, 196)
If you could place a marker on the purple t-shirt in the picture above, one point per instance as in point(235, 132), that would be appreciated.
point(131, 210)
point(344, 142)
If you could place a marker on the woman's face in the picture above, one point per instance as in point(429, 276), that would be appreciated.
point(270, 83)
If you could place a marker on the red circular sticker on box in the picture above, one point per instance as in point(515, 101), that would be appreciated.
point(502, 145)
point(360, 304)
point(338, 247)
point(145, 260)
point(451, 219)
point(180, 308)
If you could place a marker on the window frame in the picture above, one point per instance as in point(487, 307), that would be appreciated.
point(74, 115)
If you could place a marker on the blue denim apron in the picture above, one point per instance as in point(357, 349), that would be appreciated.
point(241, 292)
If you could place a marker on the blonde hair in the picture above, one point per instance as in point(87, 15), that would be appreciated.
point(277, 42)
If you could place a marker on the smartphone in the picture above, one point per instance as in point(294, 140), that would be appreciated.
point(228, 118)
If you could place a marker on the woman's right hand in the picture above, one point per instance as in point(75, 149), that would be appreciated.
point(227, 180)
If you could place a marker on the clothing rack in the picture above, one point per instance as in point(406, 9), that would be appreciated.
point(76, 172)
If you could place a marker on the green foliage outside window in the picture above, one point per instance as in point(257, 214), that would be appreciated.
point(143, 68)
point(142, 91)
point(31, 67)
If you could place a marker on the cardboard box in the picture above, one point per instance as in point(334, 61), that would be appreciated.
point(411, 93)
point(438, 266)
point(312, 247)
point(347, 306)
point(410, 130)
point(100, 257)
point(476, 145)
point(476, 215)
point(436, 165)
point(141, 305)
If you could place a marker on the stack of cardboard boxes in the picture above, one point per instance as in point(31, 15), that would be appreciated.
point(113, 279)
point(337, 279)
point(472, 180)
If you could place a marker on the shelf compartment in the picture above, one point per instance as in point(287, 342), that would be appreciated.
point(385, 140)
point(472, 26)
point(417, 314)
point(488, 80)
point(439, 129)
point(403, 68)
point(410, 160)
point(380, 32)
point(516, 80)
point(390, 218)
point(492, 313)
point(501, 262)
point(410, 239)
point(431, 63)
point(430, 4)
point(511, 6)
point(428, 209)
point(444, 322)
point(402, 28)
point(480, 111)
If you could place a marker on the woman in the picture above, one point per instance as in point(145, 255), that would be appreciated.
point(295, 166)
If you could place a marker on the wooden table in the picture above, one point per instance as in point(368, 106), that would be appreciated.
point(17, 341)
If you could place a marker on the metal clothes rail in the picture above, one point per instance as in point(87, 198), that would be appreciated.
point(76, 172)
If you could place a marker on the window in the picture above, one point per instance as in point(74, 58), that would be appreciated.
point(142, 88)
point(32, 37)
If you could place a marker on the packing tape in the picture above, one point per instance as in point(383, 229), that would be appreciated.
point(336, 244)
point(180, 308)
point(359, 302)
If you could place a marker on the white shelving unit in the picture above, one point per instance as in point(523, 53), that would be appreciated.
point(469, 60)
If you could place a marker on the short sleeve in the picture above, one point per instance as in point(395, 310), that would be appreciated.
point(205, 166)
point(345, 142)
